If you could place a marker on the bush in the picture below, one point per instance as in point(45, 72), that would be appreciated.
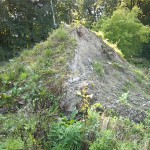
point(12, 144)
point(66, 136)
point(60, 34)
point(125, 29)
point(127, 146)
point(5, 53)
point(105, 142)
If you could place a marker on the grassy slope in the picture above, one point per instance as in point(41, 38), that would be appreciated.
point(32, 84)
point(30, 90)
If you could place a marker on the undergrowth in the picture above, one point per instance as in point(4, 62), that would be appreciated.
point(30, 90)
point(31, 87)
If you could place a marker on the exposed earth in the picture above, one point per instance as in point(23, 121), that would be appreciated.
point(109, 79)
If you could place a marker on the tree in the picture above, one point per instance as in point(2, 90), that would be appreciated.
point(144, 5)
point(125, 29)
point(24, 23)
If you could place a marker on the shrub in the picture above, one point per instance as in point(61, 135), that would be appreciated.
point(124, 98)
point(105, 142)
point(65, 136)
point(5, 53)
point(60, 34)
point(125, 29)
point(12, 144)
point(127, 146)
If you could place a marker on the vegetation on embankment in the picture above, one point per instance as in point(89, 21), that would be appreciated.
point(31, 87)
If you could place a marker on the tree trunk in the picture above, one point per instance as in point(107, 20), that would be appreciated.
point(54, 20)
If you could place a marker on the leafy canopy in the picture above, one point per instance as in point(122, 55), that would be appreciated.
point(125, 29)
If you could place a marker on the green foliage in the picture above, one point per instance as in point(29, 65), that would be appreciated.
point(60, 35)
point(92, 125)
point(30, 91)
point(20, 29)
point(143, 5)
point(140, 75)
point(23, 76)
point(66, 136)
point(147, 120)
point(98, 68)
point(19, 130)
point(125, 29)
point(127, 146)
point(25, 23)
point(5, 53)
point(124, 98)
point(93, 116)
point(12, 144)
point(104, 142)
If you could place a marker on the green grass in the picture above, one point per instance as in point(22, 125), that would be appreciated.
point(140, 75)
point(98, 67)
point(124, 98)
point(142, 79)
point(29, 80)
point(30, 92)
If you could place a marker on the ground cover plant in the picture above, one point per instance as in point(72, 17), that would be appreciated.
point(125, 29)
point(31, 88)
